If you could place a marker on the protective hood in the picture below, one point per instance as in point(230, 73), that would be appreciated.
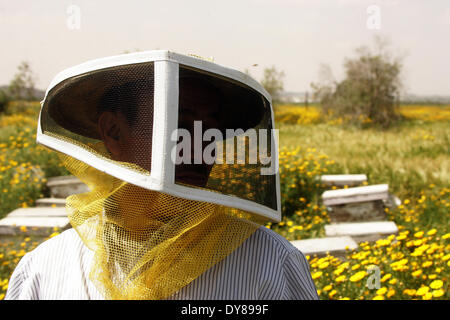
point(181, 160)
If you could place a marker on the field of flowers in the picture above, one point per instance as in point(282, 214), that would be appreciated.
point(412, 159)
point(24, 165)
point(412, 265)
point(297, 114)
point(426, 113)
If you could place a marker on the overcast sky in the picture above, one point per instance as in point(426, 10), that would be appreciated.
point(295, 36)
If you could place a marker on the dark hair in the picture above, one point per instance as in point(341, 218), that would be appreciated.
point(126, 98)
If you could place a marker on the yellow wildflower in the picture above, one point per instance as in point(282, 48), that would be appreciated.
point(393, 281)
point(386, 277)
point(422, 291)
point(332, 293)
point(419, 234)
point(417, 273)
point(358, 276)
point(417, 242)
point(338, 271)
point(381, 291)
point(409, 292)
point(383, 242)
point(316, 275)
point(327, 288)
point(54, 234)
point(427, 296)
point(436, 284)
point(401, 237)
point(438, 293)
point(390, 293)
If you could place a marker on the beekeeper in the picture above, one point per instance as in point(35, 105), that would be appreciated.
point(161, 220)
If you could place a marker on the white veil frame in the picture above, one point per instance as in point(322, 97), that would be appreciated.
point(165, 121)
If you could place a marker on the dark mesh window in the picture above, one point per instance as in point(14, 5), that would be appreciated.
point(77, 103)
point(222, 104)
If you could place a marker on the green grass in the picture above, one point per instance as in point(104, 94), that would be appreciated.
point(409, 158)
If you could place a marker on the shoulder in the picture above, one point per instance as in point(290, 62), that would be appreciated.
point(268, 240)
point(268, 249)
point(288, 266)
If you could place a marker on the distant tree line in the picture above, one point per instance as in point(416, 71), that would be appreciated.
point(21, 87)
point(370, 91)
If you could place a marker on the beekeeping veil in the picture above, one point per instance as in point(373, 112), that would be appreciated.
point(185, 172)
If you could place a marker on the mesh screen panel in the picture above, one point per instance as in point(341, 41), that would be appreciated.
point(73, 107)
point(231, 106)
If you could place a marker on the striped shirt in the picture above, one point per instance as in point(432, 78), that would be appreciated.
point(265, 267)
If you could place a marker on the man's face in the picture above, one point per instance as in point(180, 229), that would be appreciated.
point(196, 103)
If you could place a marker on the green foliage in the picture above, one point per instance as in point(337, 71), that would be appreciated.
point(4, 99)
point(370, 90)
point(22, 85)
point(408, 157)
point(272, 81)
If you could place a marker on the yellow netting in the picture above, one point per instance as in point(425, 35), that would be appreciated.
point(148, 245)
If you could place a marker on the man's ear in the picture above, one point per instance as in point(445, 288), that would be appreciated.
point(108, 126)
